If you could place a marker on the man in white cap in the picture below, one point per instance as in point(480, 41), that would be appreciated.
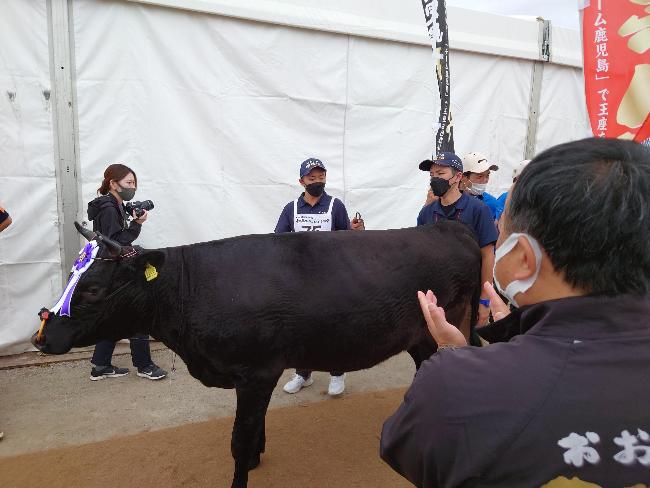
point(476, 178)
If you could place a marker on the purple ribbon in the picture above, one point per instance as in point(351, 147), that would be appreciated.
point(81, 264)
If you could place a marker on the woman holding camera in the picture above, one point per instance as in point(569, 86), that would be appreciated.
point(108, 215)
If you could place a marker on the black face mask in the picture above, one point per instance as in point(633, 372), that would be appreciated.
point(315, 189)
point(439, 186)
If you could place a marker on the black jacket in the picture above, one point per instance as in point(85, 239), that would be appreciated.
point(566, 398)
point(109, 218)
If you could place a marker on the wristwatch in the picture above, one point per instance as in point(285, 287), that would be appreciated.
point(485, 302)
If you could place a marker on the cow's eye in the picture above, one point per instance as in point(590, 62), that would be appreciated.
point(92, 294)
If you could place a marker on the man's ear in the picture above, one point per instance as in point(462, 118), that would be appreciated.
point(525, 254)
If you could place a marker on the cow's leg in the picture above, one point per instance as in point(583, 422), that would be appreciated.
point(416, 355)
point(422, 351)
point(248, 438)
point(459, 315)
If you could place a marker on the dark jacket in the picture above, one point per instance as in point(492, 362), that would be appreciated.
point(109, 218)
point(567, 397)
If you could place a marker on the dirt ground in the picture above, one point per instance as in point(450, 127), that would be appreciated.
point(63, 430)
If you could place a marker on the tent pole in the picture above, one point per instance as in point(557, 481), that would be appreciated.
point(66, 154)
point(536, 86)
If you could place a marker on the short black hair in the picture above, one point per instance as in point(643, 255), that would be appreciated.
point(587, 203)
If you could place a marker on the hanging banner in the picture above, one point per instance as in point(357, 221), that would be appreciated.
point(616, 44)
point(435, 15)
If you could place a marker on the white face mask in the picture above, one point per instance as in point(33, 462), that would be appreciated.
point(478, 188)
point(517, 286)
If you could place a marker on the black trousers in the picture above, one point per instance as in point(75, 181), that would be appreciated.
point(140, 352)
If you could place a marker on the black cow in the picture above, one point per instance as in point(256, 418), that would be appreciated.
point(240, 311)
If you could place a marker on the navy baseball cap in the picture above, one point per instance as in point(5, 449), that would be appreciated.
point(310, 164)
point(443, 159)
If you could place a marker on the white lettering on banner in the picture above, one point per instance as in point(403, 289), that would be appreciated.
point(632, 451)
point(602, 124)
point(601, 35)
point(579, 449)
point(602, 66)
point(604, 110)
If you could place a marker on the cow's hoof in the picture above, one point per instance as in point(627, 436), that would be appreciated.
point(255, 462)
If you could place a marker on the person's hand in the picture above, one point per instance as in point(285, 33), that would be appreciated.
point(498, 307)
point(483, 315)
point(442, 331)
point(430, 197)
point(357, 224)
point(142, 218)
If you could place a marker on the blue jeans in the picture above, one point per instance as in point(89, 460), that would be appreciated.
point(140, 352)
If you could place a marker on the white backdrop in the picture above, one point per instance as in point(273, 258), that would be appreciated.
point(30, 261)
point(215, 115)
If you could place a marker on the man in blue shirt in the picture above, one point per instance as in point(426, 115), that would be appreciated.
point(519, 167)
point(476, 168)
point(315, 210)
point(446, 171)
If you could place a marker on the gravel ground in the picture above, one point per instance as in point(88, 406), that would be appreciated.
point(55, 405)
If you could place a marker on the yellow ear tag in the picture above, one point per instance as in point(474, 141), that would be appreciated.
point(150, 273)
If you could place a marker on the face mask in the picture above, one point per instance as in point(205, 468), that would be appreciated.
point(439, 186)
point(477, 188)
point(126, 193)
point(516, 286)
point(315, 189)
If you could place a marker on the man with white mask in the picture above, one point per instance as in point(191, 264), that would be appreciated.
point(315, 211)
point(559, 397)
point(476, 177)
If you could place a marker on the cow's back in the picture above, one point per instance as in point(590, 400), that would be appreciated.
point(314, 296)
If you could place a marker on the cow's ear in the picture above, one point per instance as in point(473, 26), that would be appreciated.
point(149, 263)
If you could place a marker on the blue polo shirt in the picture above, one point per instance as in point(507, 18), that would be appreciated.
point(494, 204)
point(502, 202)
point(470, 211)
point(340, 220)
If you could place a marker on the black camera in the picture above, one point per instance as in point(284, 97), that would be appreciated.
point(138, 207)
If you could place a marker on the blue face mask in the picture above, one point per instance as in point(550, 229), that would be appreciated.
point(516, 286)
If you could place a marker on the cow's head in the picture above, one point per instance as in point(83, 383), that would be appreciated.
point(108, 296)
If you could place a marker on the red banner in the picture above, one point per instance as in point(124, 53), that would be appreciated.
point(616, 43)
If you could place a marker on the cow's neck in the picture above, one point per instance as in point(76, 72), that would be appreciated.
point(167, 302)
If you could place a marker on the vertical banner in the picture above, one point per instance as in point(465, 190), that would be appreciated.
point(616, 43)
point(435, 14)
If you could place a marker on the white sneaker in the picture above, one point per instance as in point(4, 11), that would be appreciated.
point(337, 385)
point(297, 383)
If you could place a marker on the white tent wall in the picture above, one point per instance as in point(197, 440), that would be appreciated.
point(30, 260)
point(215, 103)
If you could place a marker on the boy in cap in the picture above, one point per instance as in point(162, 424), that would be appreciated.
point(315, 211)
point(446, 172)
point(476, 178)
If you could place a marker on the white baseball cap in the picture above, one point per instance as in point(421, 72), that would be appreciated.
point(519, 167)
point(476, 162)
